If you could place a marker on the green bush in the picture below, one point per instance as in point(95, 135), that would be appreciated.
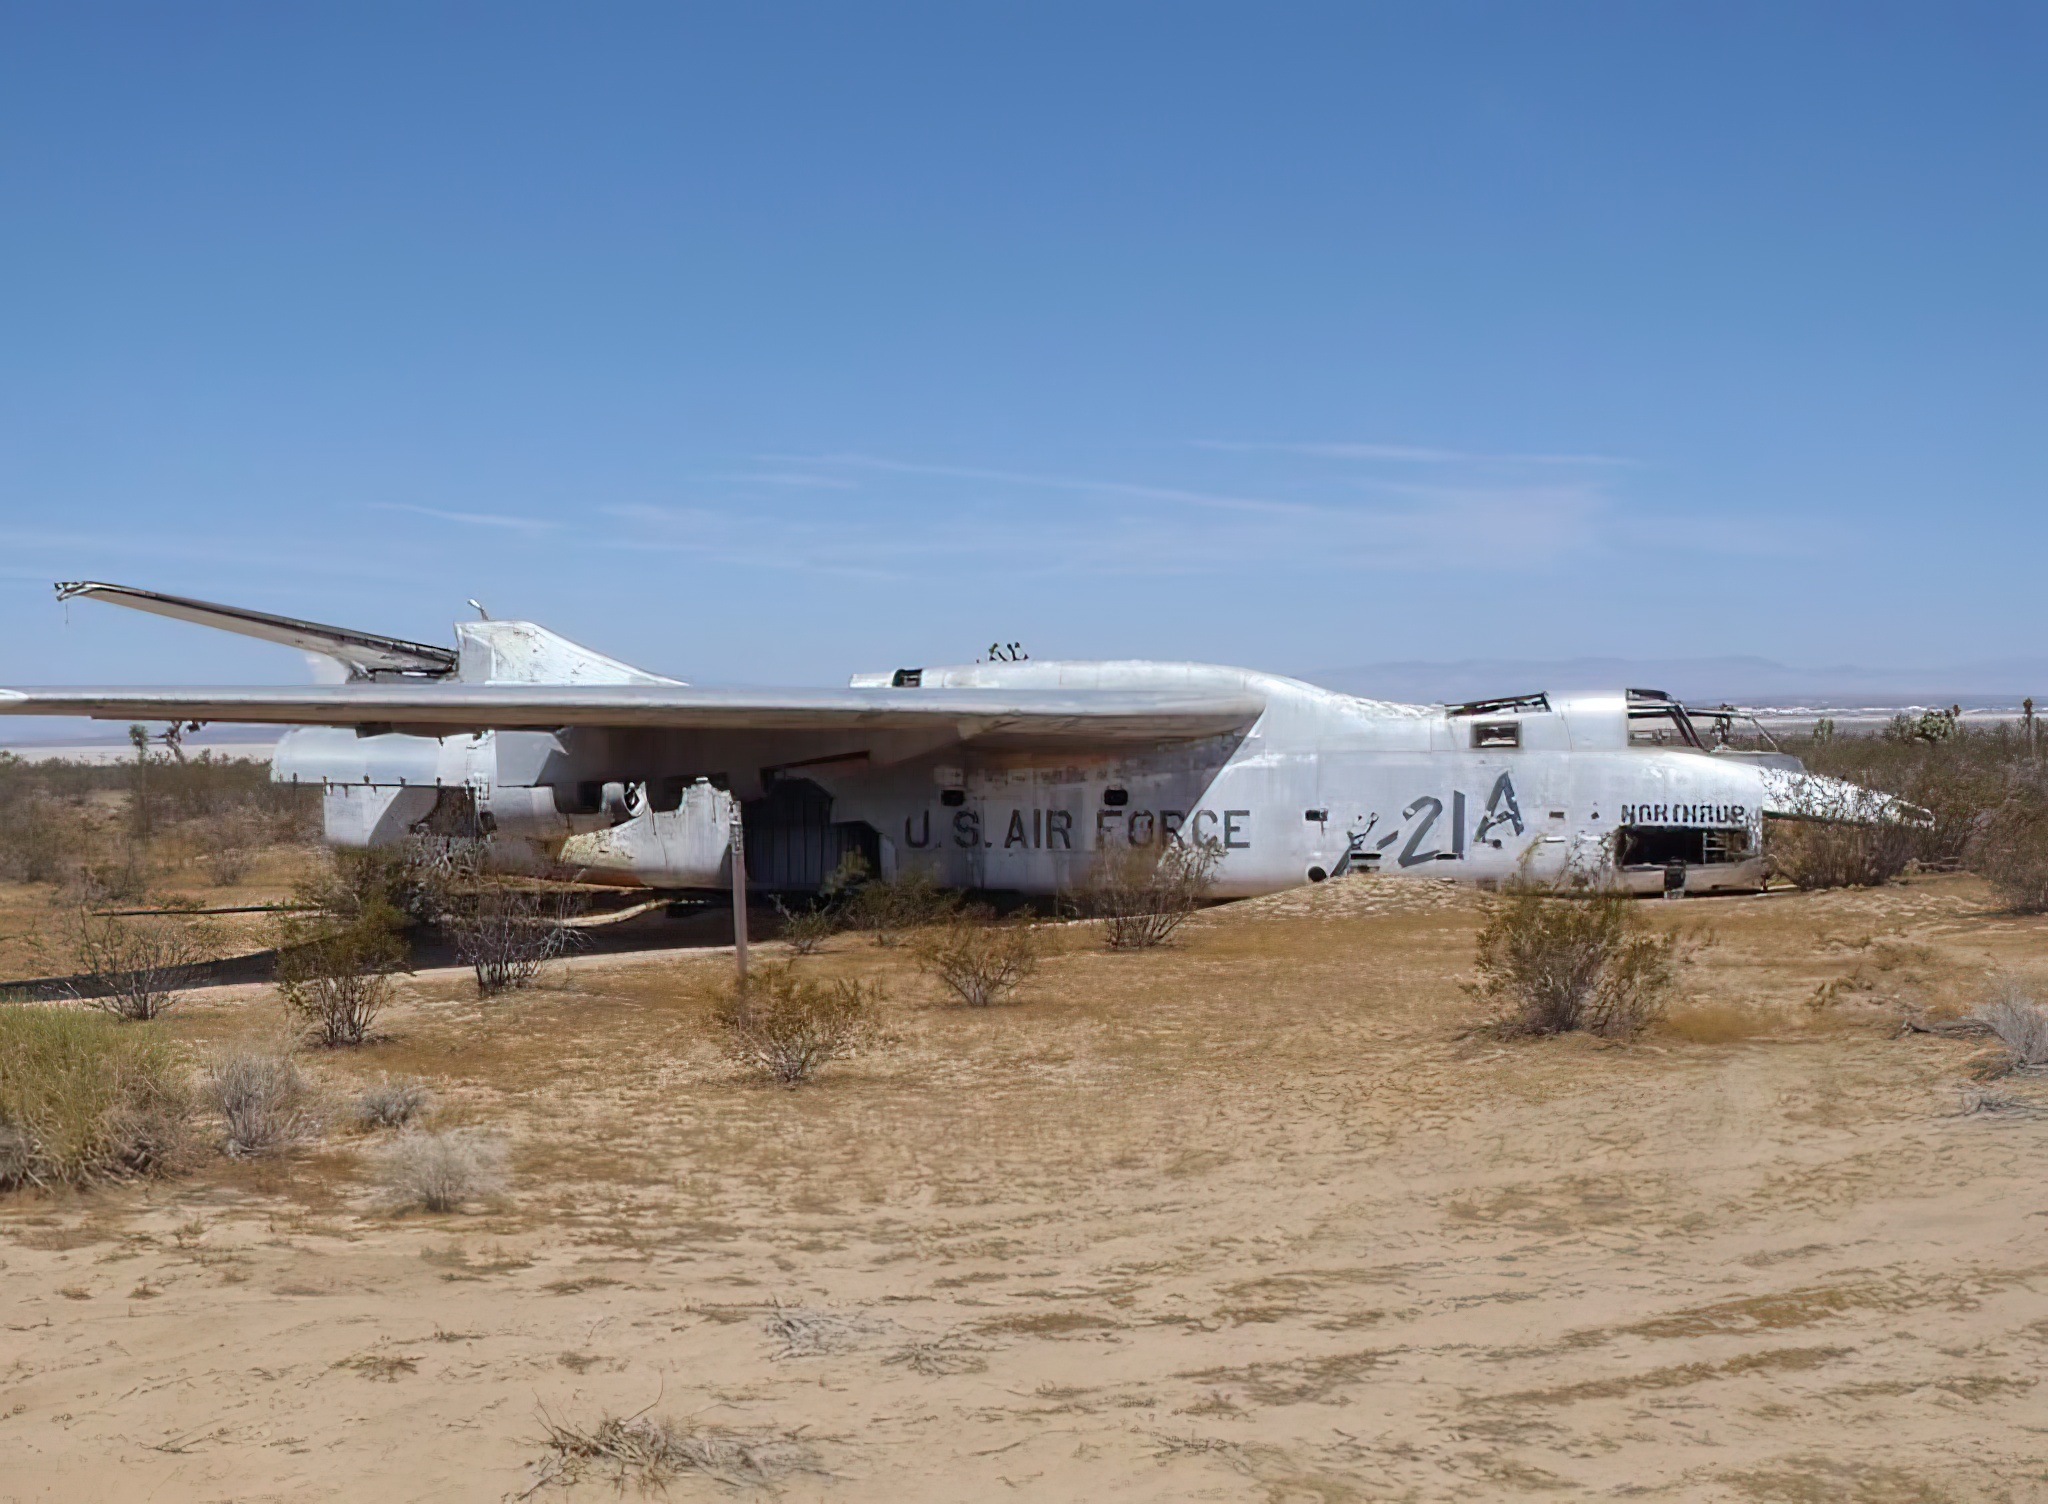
point(890, 908)
point(334, 971)
point(1553, 959)
point(786, 1026)
point(981, 963)
point(84, 1100)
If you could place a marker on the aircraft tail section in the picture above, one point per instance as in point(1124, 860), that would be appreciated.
point(524, 652)
point(491, 652)
point(364, 655)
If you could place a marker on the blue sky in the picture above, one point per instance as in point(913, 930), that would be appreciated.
point(771, 342)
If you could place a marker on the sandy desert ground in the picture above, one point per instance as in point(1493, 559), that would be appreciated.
point(1250, 1219)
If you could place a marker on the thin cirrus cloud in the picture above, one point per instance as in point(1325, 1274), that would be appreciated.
point(505, 522)
point(1407, 454)
point(1078, 484)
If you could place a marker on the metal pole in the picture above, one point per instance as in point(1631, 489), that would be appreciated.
point(739, 895)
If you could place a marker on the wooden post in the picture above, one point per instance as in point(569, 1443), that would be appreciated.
point(739, 895)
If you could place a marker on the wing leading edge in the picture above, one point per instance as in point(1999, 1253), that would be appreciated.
point(444, 709)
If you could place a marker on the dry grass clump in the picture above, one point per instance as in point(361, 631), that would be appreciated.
point(132, 968)
point(979, 962)
point(2021, 1025)
point(441, 1171)
point(1578, 956)
point(652, 1453)
point(83, 1100)
point(267, 1103)
point(787, 1026)
point(393, 1103)
point(1973, 1100)
point(1717, 1023)
point(1143, 894)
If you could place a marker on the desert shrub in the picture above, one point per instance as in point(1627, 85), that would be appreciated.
point(227, 846)
point(83, 1100)
point(507, 935)
point(413, 882)
point(1578, 955)
point(804, 930)
point(335, 972)
point(1717, 1023)
point(1952, 772)
point(889, 908)
point(1143, 894)
point(33, 838)
point(2009, 848)
point(132, 968)
point(265, 1100)
point(980, 963)
point(1849, 844)
point(787, 1026)
point(393, 1103)
point(104, 876)
point(2021, 1025)
point(441, 1171)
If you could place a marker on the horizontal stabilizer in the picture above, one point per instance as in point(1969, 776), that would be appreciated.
point(364, 653)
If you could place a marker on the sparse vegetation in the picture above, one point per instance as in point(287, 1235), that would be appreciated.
point(1143, 894)
point(132, 968)
point(1575, 956)
point(2021, 1025)
point(805, 930)
point(265, 1100)
point(788, 1026)
point(393, 1103)
point(99, 830)
point(2009, 847)
point(1814, 854)
point(649, 1454)
point(441, 1171)
point(1952, 771)
point(507, 934)
point(890, 908)
point(84, 1100)
point(981, 963)
point(1717, 1023)
point(334, 969)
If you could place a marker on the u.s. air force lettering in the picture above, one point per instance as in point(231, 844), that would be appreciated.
point(1037, 829)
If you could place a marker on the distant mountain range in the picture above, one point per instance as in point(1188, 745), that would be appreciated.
point(1994, 683)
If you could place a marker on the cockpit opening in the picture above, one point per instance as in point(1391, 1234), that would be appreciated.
point(1657, 720)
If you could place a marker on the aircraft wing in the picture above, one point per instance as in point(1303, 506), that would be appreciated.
point(441, 709)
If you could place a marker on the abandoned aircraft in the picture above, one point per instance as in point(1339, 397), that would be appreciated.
point(1001, 775)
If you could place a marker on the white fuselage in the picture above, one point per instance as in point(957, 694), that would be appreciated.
point(1320, 784)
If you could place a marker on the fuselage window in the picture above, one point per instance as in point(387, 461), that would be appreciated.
point(1496, 733)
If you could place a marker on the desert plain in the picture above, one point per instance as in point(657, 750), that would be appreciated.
point(1257, 1216)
